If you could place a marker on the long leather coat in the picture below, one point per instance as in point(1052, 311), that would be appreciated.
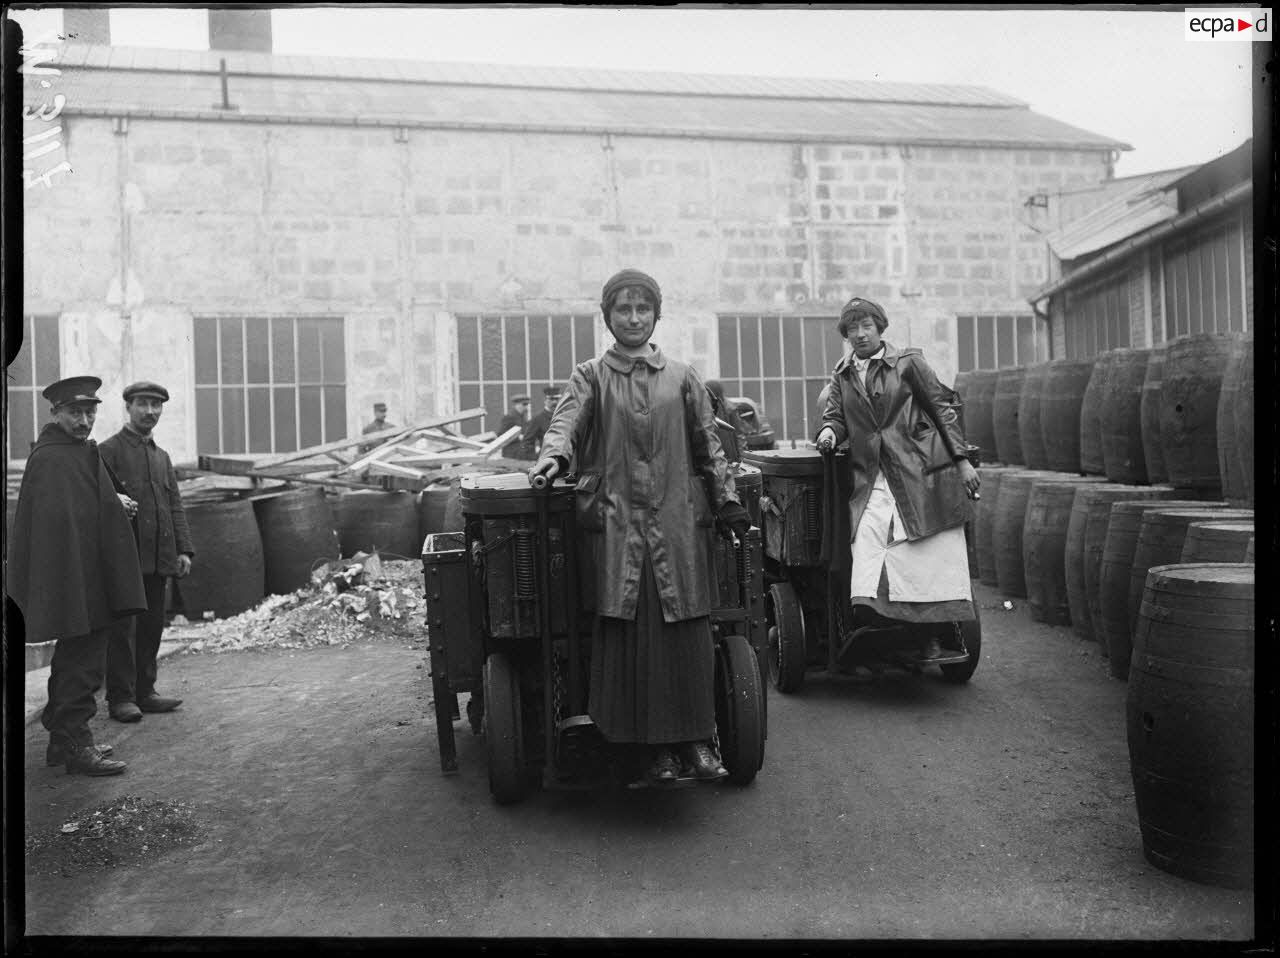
point(148, 477)
point(905, 424)
point(642, 438)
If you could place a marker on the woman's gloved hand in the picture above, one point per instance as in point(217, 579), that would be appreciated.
point(734, 516)
point(543, 471)
point(826, 441)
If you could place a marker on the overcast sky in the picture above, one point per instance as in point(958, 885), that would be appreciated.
point(1127, 74)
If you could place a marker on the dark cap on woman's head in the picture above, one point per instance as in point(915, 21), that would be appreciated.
point(625, 278)
point(856, 309)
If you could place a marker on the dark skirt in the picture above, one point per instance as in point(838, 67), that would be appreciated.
point(953, 610)
point(652, 681)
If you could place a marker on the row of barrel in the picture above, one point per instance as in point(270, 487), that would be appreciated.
point(248, 549)
point(1179, 413)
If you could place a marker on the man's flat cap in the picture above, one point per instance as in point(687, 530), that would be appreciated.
point(551, 390)
point(379, 406)
point(521, 399)
point(145, 388)
point(73, 389)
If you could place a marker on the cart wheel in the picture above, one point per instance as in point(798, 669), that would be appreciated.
point(786, 639)
point(504, 735)
point(739, 709)
point(972, 632)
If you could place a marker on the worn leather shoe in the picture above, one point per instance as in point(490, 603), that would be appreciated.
point(703, 762)
point(85, 760)
point(157, 703)
point(665, 768)
point(125, 712)
point(56, 753)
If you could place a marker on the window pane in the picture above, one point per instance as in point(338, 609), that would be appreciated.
point(208, 439)
point(561, 344)
point(729, 347)
point(335, 413)
point(231, 355)
point(749, 329)
point(792, 345)
point(771, 393)
point(1004, 341)
point(233, 438)
point(22, 422)
point(796, 426)
point(46, 339)
point(539, 347)
point(259, 419)
point(286, 411)
point(310, 410)
point(468, 348)
point(986, 342)
point(966, 344)
point(493, 406)
point(771, 345)
point(205, 332)
point(815, 353)
point(334, 360)
point(584, 345)
point(282, 364)
point(256, 355)
point(491, 348)
point(469, 398)
point(515, 348)
point(310, 361)
point(1026, 340)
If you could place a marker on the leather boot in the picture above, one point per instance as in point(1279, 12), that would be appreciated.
point(85, 760)
point(56, 753)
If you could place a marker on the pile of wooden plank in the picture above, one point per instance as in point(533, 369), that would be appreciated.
point(402, 457)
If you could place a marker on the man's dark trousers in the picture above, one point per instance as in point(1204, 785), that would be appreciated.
point(75, 675)
point(133, 647)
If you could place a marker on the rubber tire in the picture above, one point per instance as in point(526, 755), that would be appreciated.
point(739, 709)
point(962, 671)
point(787, 650)
point(504, 734)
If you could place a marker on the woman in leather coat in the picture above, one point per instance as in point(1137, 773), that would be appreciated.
point(639, 428)
point(912, 480)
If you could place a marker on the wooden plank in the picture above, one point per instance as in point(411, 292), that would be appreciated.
point(394, 469)
point(324, 481)
point(496, 445)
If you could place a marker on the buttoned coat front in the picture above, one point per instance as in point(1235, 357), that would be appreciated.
point(642, 438)
point(903, 423)
point(147, 474)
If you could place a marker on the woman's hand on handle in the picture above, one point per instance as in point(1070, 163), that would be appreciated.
point(545, 470)
point(969, 476)
point(826, 439)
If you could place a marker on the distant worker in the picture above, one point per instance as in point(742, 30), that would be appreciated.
point(164, 550)
point(542, 421)
point(73, 569)
point(520, 447)
point(378, 425)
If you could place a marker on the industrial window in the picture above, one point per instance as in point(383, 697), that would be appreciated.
point(1097, 318)
point(34, 368)
point(1204, 281)
point(502, 356)
point(269, 384)
point(996, 341)
point(781, 362)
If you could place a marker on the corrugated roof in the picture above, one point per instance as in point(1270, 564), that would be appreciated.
point(74, 55)
point(317, 98)
point(1142, 203)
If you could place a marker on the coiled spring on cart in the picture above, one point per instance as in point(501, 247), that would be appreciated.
point(526, 572)
point(812, 514)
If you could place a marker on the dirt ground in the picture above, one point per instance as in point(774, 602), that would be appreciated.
point(307, 780)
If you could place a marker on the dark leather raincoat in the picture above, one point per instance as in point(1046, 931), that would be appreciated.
point(905, 424)
point(642, 438)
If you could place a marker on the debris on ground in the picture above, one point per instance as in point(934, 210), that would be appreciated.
point(125, 831)
point(348, 600)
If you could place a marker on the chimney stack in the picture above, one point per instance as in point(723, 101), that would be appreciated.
point(86, 25)
point(240, 30)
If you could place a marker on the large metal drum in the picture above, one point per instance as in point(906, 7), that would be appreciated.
point(791, 507)
point(500, 515)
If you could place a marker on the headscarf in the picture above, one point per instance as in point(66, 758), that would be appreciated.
point(630, 277)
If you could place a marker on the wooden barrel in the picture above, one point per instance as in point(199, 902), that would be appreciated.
point(1189, 393)
point(228, 575)
point(1113, 577)
point(1009, 525)
point(1230, 458)
point(979, 404)
point(1189, 717)
point(1248, 550)
point(370, 520)
point(1004, 415)
point(1120, 417)
point(1149, 413)
point(1092, 460)
point(297, 535)
point(1034, 385)
point(1090, 515)
point(985, 511)
point(1061, 409)
point(1243, 424)
point(1044, 541)
point(1161, 538)
point(432, 502)
point(1217, 541)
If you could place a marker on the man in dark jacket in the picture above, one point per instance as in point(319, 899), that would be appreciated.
point(519, 447)
point(541, 422)
point(164, 550)
point(73, 568)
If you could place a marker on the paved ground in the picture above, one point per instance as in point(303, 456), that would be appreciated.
point(906, 809)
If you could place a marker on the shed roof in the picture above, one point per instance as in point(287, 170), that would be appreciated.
point(261, 86)
point(1143, 202)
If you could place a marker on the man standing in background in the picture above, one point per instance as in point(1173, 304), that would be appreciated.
point(379, 423)
point(540, 423)
point(164, 550)
point(520, 447)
